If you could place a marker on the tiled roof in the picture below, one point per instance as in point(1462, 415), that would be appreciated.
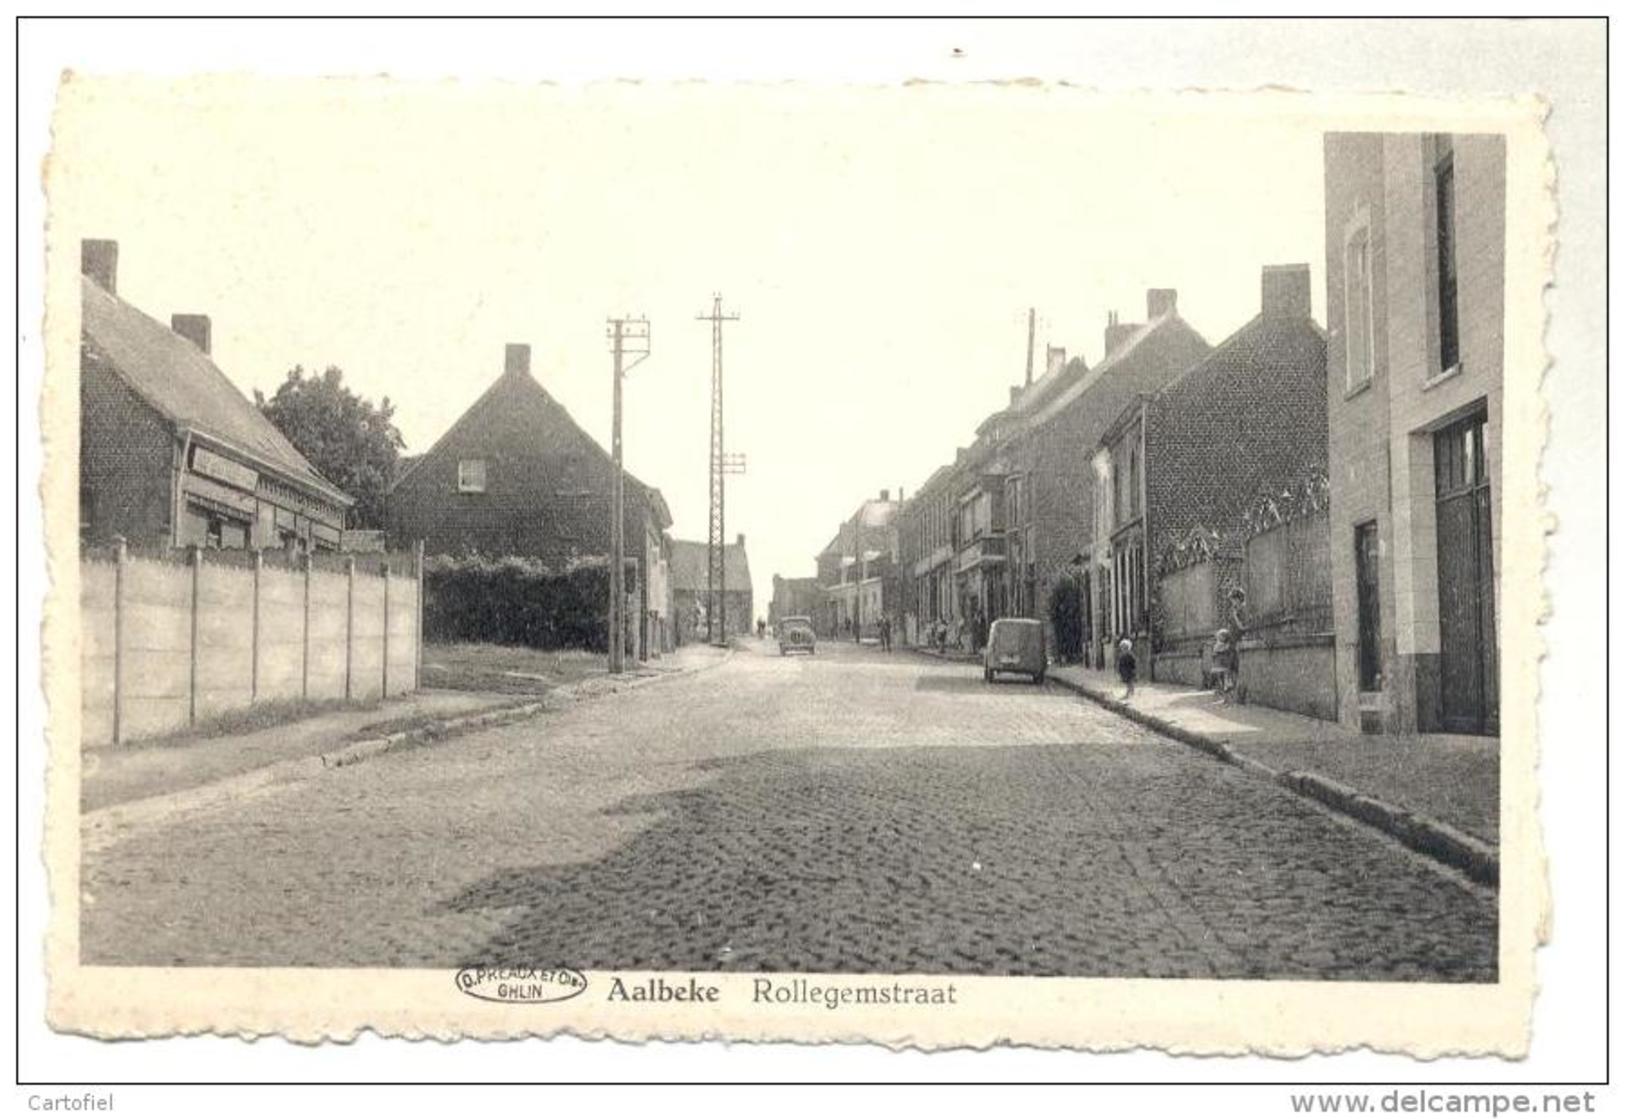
point(689, 565)
point(1170, 321)
point(1258, 349)
point(180, 381)
point(407, 464)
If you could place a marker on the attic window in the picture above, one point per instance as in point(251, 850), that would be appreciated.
point(471, 475)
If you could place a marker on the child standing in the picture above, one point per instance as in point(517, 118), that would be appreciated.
point(1225, 665)
point(1126, 667)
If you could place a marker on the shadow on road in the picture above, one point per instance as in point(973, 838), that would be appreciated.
point(1030, 860)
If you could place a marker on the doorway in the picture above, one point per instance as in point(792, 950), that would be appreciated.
point(1367, 572)
point(1469, 677)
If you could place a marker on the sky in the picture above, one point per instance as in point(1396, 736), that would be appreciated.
point(882, 246)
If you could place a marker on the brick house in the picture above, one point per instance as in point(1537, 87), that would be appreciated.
point(925, 536)
point(859, 570)
point(516, 475)
point(1050, 478)
point(690, 589)
point(1415, 277)
point(171, 453)
point(1179, 473)
point(992, 533)
point(794, 598)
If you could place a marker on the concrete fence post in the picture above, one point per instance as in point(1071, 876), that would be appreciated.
point(417, 625)
point(385, 657)
point(254, 649)
point(349, 620)
point(121, 556)
point(196, 558)
point(304, 645)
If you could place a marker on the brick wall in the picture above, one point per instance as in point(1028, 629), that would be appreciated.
point(126, 460)
point(547, 485)
point(1251, 419)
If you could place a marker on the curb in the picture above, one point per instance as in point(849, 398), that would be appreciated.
point(1475, 858)
point(103, 826)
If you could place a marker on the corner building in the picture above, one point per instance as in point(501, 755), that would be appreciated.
point(1415, 278)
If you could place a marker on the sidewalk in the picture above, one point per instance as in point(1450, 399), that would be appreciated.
point(1410, 784)
point(115, 775)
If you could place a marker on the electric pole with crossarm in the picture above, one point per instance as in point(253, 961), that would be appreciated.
point(628, 337)
point(722, 463)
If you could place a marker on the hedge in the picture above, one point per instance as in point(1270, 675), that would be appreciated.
point(515, 600)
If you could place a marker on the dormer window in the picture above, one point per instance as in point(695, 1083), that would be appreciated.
point(471, 475)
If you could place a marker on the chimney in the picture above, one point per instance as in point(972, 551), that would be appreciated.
point(1160, 301)
point(885, 495)
point(1055, 360)
point(193, 328)
point(516, 359)
point(1117, 332)
point(740, 540)
point(1286, 291)
point(1015, 394)
point(99, 261)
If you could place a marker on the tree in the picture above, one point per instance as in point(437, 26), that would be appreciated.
point(352, 442)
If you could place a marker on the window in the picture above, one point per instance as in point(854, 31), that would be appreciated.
point(1357, 330)
point(87, 512)
point(471, 475)
point(212, 529)
point(1444, 214)
point(1133, 482)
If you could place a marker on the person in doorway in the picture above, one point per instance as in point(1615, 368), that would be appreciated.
point(1126, 667)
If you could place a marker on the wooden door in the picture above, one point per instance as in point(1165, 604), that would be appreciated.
point(1469, 689)
point(1367, 574)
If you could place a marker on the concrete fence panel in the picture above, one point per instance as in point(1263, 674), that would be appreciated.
point(403, 622)
point(224, 671)
point(367, 638)
point(282, 634)
point(98, 649)
point(174, 638)
point(329, 604)
point(156, 627)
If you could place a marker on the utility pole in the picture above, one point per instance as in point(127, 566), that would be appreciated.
point(629, 337)
point(1032, 325)
point(716, 566)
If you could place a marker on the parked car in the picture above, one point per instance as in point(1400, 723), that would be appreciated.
point(1015, 645)
point(796, 635)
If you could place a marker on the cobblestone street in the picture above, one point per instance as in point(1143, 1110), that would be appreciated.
point(851, 811)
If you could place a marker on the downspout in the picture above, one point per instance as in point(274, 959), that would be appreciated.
point(1145, 548)
point(177, 500)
